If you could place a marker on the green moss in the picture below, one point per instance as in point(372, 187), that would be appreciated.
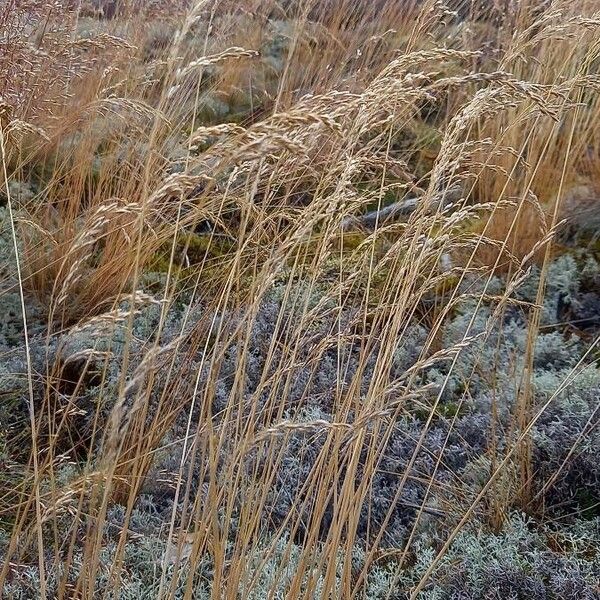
point(351, 240)
point(160, 263)
point(447, 284)
point(198, 247)
point(190, 249)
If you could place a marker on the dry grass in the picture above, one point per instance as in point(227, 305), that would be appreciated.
point(114, 130)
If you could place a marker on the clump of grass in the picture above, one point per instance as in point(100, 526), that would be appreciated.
point(257, 312)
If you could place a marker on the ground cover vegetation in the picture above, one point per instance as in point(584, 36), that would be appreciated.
point(300, 299)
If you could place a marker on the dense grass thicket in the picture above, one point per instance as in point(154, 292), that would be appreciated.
point(300, 299)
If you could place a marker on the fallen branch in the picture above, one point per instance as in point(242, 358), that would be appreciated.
point(399, 210)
